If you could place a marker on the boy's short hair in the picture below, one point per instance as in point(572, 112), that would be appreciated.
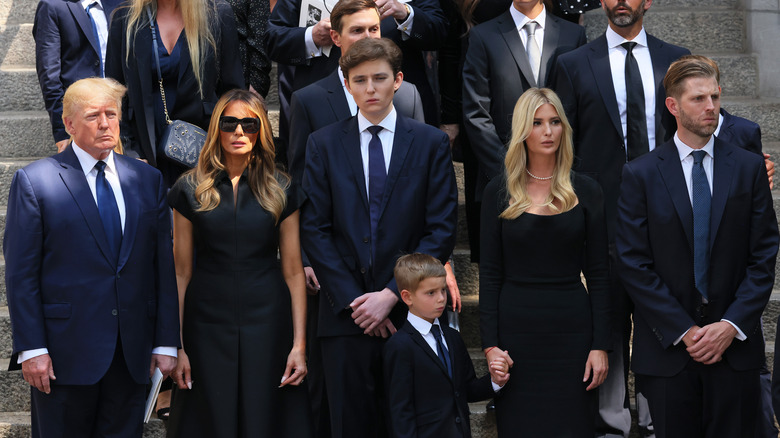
point(349, 7)
point(689, 66)
point(371, 49)
point(411, 269)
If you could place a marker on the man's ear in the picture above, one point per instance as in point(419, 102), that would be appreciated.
point(672, 105)
point(399, 78)
point(336, 37)
point(406, 296)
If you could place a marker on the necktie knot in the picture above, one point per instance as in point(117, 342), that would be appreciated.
point(629, 46)
point(91, 5)
point(100, 166)
point(436, 330)
point(530, 28)
point(375, 129)
point(698, 156)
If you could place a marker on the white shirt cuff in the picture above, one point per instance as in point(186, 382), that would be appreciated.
point(166, 351)
point(677, 341)
point(29, 354)
point(740, 335)
point(406, 26)
point(312, 51)
point(496, 388)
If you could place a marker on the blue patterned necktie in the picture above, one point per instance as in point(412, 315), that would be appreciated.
point(108, 209)
point(702, 201)
point(444, 354)
point(377, 175)
point(90, 8)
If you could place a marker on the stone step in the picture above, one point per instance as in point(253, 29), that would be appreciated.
point(17, 11)
point(16, 392)
point(25, 134)
point(764, 111)
point(738, 73)
point(17, 425)
point(3, 299)
point(710, 29)
point(466, 273)
point(19, 89)
point(5, 332)
point(7, 170)
point(17, 46)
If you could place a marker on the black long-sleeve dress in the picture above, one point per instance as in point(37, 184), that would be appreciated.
point(533, 304)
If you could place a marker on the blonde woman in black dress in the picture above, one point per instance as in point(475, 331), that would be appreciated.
point(542, 225)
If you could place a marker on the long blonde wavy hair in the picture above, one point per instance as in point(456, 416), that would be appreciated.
point(197, 14)
point(516, 161)
point(266, 182)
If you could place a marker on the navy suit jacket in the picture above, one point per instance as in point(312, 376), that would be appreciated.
point(740, 132)
point(655, 249)
point(424, 400)
point(418, 213)
point(66, 292)
point(496, 73)
point(139, 72)
point(583, 81)
point(309, 113)
point(65, 51)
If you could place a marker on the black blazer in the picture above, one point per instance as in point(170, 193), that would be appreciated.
point(65, 51)
point(740, 132)
point(495, 74)
point(423, 400)
point(139, 74)
point(655, 250)
point(418, 213)
point(309, 113)
point(583, 81)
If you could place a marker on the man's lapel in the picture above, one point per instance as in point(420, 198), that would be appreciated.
point(671, 172)
point(418, 339)
point(132, 204)
point(350, 143)
point(552, 33)
point(722, 173)
point(402, 142)
point(84, 22)
point(658, 58)
point(598, 57)
point(506, 25)
point(336, 97)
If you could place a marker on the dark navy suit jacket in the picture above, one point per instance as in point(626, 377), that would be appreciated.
point(66, 292)
point(655, 242)
point(418, 213)
point(65, 51)
point(740, 132)
point(424, 401)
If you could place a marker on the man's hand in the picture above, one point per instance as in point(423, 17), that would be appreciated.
point(61, 145)
point(597, 364)
point(770, 170)
point(452, 286)
point(385, 329)
point(711, 341)
point(38, 372)
point(688, 338)
point(452, 130)
point(166, 364)
point(370, 309)
point(392, 8)
point(312, 285)
point(320, 33)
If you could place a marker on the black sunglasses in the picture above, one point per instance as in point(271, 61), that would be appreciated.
point(250, 125)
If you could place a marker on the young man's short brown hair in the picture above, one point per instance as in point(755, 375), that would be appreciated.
point(689, 66)
point(349, 7)
point(411, 269)
point(371, 49)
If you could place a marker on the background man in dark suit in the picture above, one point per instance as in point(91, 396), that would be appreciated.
point(379, 185)
point(89, 275)
point(500, 66)
point(697, 240)
point(67, 49)
point(592, 84)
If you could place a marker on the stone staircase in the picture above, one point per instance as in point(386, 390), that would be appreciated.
point(715, 28)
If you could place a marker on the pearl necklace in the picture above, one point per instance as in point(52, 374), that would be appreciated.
point(538, 177)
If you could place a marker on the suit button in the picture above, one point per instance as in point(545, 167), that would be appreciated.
point(365, 240)
point(97, 63)
point(457, 420)
point(362, 270)
point(118, 276)
point(457, 394)
point(114, 312)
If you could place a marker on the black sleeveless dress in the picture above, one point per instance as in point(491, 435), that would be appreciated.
point(237, 327)
point(533, 304)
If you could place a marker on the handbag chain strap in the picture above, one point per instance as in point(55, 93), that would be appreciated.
point(157, 62)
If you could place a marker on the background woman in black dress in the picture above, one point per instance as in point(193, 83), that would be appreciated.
point(541, 226)
point(243, 312)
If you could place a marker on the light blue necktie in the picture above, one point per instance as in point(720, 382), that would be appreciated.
point(702, 201)
point(90, 8)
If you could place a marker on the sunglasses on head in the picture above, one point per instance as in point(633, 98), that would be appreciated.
point(250, 125)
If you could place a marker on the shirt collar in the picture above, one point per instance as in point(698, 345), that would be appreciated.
point(388, 122)
point(614, 40)
point(421, 325)
point(520, 19)
point(684, 150)
point(341, 78)
point(88, 162)
point(720, 124)
point(85, 3)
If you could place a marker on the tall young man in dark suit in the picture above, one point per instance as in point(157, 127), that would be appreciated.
point(90, 277)
point(697, 240)
point(68, 47)
point(608, 122)
point(502, 62)
point(379, 185)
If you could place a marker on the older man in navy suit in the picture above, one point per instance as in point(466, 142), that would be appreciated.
point(70, 44)
point(89, 275)
point(379, 185)
point(697, 240)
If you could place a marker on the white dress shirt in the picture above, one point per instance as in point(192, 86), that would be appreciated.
point(386, 136)
point(617, 64)
point(520, 21)
point(350, 100)
point(686, 160)
point(101, 23)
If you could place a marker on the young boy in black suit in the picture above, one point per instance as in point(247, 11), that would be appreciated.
point(429, 378)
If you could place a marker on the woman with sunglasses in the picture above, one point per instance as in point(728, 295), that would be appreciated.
point(243, 310)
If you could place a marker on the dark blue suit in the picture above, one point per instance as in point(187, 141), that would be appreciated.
point(654, 244)
point(418, 214)
point(67, 293)
point(65, 51)
point(740, 132)
point(424, 401)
